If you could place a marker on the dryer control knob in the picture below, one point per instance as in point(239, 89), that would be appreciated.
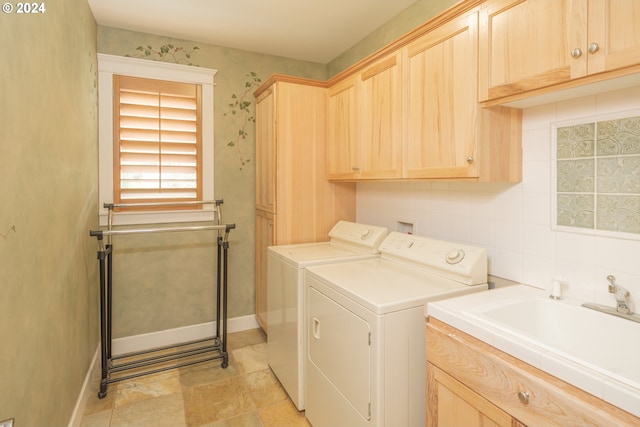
point(365, 234)
point(454, 256)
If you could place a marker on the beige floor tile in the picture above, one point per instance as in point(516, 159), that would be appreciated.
point(245, 338)
point(264, 387)
point(95, 405)
point(250, 419)
point(147, 387)
point(283, 414)
point(164, 411)
point(98, 419)
point(252, 358)
point(208, 372)
point(217, 401)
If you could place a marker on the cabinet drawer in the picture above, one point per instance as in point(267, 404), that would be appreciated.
point(526, 393)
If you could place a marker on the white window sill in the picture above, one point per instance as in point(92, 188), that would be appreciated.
point(158, 217)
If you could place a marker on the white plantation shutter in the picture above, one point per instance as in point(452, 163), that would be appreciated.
point(157, 140)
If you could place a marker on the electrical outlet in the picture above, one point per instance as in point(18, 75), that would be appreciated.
point(6, 423)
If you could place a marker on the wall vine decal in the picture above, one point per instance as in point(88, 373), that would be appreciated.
point(240, 107)
point(9, 230)
point(166, 53)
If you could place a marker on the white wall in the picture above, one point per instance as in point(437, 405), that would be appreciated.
point(513, 221)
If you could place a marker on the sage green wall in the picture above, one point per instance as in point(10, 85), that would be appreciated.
point(48, 194)
point(166, 281)
point(410, 18)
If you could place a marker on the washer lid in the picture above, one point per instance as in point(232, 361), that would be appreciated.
point(383, 286)
point(306, 254)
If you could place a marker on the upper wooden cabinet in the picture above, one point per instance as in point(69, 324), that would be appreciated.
point(342, 130)
point(449, 135)
point(613, 34)
point(414, 114)
point(441, 101)
point(529, 45)
point(380, 114)
point(364, 123)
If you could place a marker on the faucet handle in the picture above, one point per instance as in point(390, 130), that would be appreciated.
point(622, 296)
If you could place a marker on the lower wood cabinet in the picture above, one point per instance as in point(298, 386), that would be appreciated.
point(265, 237)
point(470, 383)
point(451, 403)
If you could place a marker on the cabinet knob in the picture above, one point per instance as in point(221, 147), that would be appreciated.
point(593, 48)
point(523, 396)
point(355, 168)
point(576, 53)
point(470, 159)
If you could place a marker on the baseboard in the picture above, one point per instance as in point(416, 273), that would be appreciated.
point(81, 403)
point(177, 335)
point(156, 339)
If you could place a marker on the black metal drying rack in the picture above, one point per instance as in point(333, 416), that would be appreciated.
point(160, 359)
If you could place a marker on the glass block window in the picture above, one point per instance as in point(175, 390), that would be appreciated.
point(597, 176)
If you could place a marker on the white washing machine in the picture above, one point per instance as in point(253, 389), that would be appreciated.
point(366, 357)
point(286, 337)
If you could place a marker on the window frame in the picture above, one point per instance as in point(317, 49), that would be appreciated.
point(108, 65)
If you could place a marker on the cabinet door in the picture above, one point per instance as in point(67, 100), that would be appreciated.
point(380, 119)
point(452, 404)
point(265, 237)
point(342, 134)
point(442, 102)
point(613, 35)
point(265, 150)
point(527, 44)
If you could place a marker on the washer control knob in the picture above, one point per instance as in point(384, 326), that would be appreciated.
point(454, 256)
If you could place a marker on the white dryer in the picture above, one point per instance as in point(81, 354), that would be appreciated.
point(286, 337)
point(366, 354)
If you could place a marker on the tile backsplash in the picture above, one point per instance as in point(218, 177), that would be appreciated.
point(598, 176)
point(515, 221)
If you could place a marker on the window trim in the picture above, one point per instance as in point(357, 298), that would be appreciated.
point(108, 65)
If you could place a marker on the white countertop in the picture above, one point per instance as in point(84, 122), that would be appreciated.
point(455, 312)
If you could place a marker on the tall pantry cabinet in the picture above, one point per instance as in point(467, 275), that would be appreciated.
point(295, 203)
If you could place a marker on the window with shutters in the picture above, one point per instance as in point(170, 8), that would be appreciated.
point(157, 144)
point(155, 138)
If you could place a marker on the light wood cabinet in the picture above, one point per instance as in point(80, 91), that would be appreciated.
point(265, 152)
point(452, 404)
point(612, 26)
point(496, 385)
point(342, 130)
point(295, 203)
point(442, 104)
point(364, 123)
point(380, 113)
point(413, 113)
point(528, 45)
point(265, 237)
point(449, 135)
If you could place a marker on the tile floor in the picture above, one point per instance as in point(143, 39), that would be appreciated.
point(246, 394)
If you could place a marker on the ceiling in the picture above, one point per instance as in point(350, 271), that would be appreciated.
point(312, 30)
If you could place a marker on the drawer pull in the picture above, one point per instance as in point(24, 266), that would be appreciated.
point(523, 396)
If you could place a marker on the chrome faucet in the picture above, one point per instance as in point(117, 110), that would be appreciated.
point(623, 298)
